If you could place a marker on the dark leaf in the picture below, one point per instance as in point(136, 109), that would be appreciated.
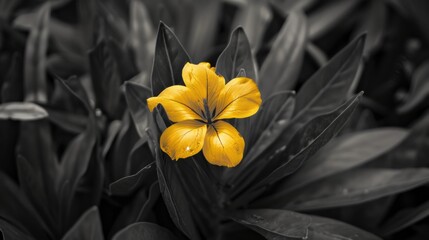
point(356, 186)
point(170, 58)
point(374, 25)
point(331, 84)
point(35, 84)
point(77, 155)
point(105, 76)
point(142, 35)
point(256, 13)
point(419, 93)
point(283, 64)
point(19, 211)
point(88, 227)
point(283, 224)
point(141, 209)
point(405, 218)
point(308, 140)
point(347, 152)
point(292, 5)
point(329, 16)
point(144, 230)
point(22, 111)
point(136, 96)
point(202, 28)
point(11, 232)
point(236, 56)
point(275, 224)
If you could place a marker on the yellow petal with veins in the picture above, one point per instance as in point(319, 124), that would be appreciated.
point(239, 99)
point(204, 83)
point(183, 139)
point(223, 145)
point(179, 103)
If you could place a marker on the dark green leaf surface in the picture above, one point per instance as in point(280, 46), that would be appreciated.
point(88, 227)
point(237, 56)
point(144, 230)
point(419, 93)
point(281, 67)
point(10, 232)
point(22, 111)
point(170, 58)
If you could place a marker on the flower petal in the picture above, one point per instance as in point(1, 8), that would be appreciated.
point(183, 139)
point(223, 145)
point(239, 99)
point(178, 102)
point(204, 82)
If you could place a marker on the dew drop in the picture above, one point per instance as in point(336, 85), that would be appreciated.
point(188, 148)
point(366, 191)
point(345, 191)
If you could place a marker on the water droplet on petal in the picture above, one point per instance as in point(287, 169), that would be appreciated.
point(345, 191)
point(257, 218)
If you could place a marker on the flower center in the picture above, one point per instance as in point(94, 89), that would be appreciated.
point(207, 112)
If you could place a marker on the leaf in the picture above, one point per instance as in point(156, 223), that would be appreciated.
point(356, 186)
point(140, 209)
point(172, 190)
point(256, 13)
point(347, 152)
point(10, 232)
point(330, 85)
point(129, 184)
point(144, 230)
point(373, 24)
point(286, 160)
point(88, 227)
point(35, 84)
point(274, 224)
point(262, 130)
point(136, 96)
point(283, 224)
point(292, 5)
point(329, 16)
point(237, 56)
point(202, 27)
point(288, 52)
point(419, 92)
point(105, 76)
point(142, 35)
point(77, 156)
point(19, 211)
point(22, 111)
point(170, 57)
point(405, 218)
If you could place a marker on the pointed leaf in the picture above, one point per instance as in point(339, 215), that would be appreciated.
point(35, 84)
point(237, 56)
point(22, 111)
point(88, 227)
point(105, 76)
point(356, 186)
point(136, 96)
point(170, 57)
point(330, 85)
point(144, 230)
point(288, 52)
point(347, 152)
point(310, 139)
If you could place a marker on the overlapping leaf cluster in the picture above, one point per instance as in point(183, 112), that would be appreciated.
point(323, 160)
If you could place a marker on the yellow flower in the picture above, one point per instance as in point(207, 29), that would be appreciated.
point(197, 109)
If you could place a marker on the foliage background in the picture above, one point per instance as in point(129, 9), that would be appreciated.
point(77, 163)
